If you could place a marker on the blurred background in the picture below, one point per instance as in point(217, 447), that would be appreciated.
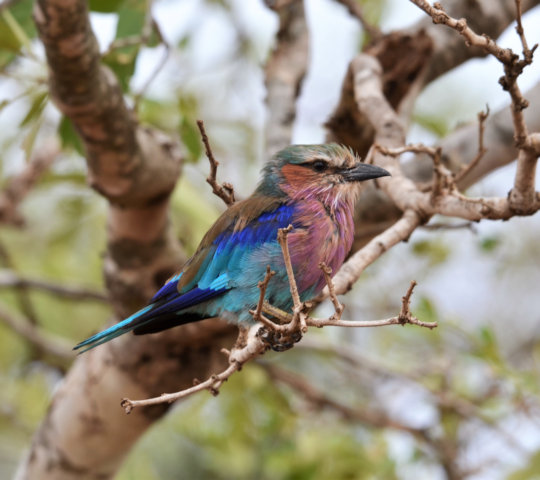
point(403, 403)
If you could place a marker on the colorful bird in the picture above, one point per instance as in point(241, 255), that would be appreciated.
point(311, 187)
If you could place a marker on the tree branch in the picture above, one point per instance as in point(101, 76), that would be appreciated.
point(43, 341)
point(224, 191)
point(10, 279)
point(284, 73)
point(19, 186)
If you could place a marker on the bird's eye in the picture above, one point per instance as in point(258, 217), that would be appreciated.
point(319, 165)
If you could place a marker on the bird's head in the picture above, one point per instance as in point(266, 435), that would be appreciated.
point(327, 172)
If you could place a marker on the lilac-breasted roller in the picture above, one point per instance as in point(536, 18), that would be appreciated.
point(311, 187)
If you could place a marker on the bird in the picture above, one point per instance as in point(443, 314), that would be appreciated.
point(311, 187)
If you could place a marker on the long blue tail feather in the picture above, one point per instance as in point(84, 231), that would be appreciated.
point(157, 312)
point(114, 331)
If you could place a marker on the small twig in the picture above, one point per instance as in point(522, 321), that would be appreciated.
point(262, 287)
point(251, 346)
point(413, 148)
point(226, 190)
point(482, 117)
point(299, 317)
point(10, 279)
point(443, 180)
point(513, 66)
point(19, 186)
point(404, 317)
point(159, 66)
point(212, 384)
point(527, 52)
point(325, 322)
point(405, 312)
point(338, 306)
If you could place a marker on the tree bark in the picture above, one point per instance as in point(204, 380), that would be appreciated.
point(86, 434)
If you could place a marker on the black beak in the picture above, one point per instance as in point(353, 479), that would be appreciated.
point(364, 171)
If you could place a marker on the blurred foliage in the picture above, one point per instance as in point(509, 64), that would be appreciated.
point(435, 250)
point(451, 388)
point(16, 30)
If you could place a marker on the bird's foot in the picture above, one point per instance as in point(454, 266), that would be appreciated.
point(279, 341)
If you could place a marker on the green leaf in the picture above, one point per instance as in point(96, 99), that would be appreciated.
point(189, 133)
point(69, 136)
point(488, 244)
point(16, 26)
point(425, 310)
point(36, 108)
point(131, 18)
point(191, 139)
point(436, 251)
point(436, 124)
point(30, 139)
point(16, 30)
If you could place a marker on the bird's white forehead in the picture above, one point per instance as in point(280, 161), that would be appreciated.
point(336, 155)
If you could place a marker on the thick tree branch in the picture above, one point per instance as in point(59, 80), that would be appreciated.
point(82, 436)
point(121, 156)
point(414, 57)
point(522, 198)
point(284, 73)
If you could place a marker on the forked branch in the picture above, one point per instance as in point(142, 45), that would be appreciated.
point(224, 191)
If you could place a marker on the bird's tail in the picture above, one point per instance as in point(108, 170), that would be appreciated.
point(142, 317)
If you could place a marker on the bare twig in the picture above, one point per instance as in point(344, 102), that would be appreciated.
point(19, 186)
point(512, 65)
point(338, 306)
point(482, 117)
point(262, 287)
point(527, 52)
point(252, 347)
point(282, 240)
point(159, 66)
point(405, 312)
point(226, 190)
point(10, 279)
point(404, 317)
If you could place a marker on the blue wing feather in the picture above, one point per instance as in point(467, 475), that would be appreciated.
point(212, 279)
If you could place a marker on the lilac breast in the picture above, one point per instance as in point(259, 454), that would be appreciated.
point(327, 237)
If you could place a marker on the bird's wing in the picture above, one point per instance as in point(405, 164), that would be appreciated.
point(206, 275)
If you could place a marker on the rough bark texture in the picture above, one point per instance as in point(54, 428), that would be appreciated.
point(410, 60)
point(284, 73)
point(413, 58)
point(85, 434)
point(375, 211)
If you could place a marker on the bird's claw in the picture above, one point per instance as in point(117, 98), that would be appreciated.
point(279, 341)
